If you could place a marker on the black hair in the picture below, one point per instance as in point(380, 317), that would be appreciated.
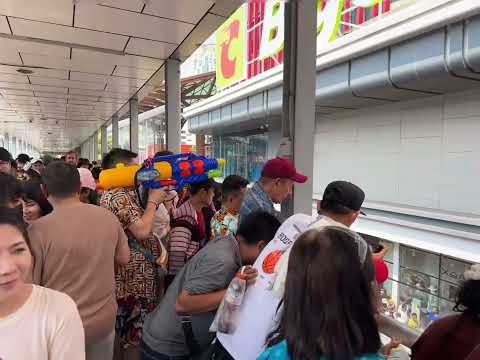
point(96, 170)
point(204, 185)
point(163, 153)
point(14, 218)
point(115, 156)
point(61, 179)
point(258, 226)
point(233, 184)
point(13, 164)
point(334, 207)
point(10, 189)
point(84, 161)
point(33, 191)
point(328, 309)
point(468, 298)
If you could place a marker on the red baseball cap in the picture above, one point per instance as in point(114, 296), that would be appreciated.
point(282, 168)
point(381, 270)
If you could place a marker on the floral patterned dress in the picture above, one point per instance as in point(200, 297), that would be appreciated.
point(137, 283)
point(223, 223)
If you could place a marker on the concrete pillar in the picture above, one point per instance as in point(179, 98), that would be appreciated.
point(115, 131)
point(172, 106)
point(13, 149)
point(200, 144)
point(298, 123)
point(104, 141)
point(134, 125)
point(95, 146)
point(6, 142)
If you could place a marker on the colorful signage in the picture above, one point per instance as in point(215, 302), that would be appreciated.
point(251, 40)
point(230, 50)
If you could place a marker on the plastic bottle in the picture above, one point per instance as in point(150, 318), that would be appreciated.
point(232, 302)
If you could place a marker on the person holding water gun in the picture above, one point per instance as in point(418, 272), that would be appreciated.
point(137, 285)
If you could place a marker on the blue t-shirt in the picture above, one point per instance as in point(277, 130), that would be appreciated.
point(280, 352)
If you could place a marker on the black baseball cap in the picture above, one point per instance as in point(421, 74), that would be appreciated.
point(346, 194)
point(24, 158)
point(5, 155)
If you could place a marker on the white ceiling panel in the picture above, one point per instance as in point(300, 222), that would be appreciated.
point(10, 56)
point(132, 5)
point(31, 47)
point(53, 11)
point(182, 10)
point(53, 89)
point(87, 56)
point(50, 95)
point(14, 78)
point(47, 101)
point(155, 49)
point(22, 100)
point(81, 76)
point(15, 86)
point(66, 64)
point(83, 97)
point(68, 34)
point(103, 79)
point(132, 72)
point(130, 23)
point(4, 28)
point(59, 74)
point(36, 80)
point(16, 92)
point(116, 89)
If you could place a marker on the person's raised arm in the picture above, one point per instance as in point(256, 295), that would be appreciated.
point(142, 228)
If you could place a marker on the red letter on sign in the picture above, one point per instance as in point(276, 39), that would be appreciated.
point(228, 66)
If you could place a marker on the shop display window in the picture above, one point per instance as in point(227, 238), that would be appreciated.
point(244, 155)
point(425, 287)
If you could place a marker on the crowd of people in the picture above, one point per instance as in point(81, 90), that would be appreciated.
point(134, 273)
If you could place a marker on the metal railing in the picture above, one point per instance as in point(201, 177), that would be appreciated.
point(393, 328)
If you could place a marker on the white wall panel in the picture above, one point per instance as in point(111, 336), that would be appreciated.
point(421, 153)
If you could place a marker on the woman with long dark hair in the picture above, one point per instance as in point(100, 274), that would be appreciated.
point(455, 336)
point(35, 204)
point(35, 322)
point(328, 309)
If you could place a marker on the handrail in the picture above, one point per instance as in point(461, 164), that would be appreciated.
point(393, 328)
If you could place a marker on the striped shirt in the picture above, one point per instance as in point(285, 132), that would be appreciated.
point(181, 245)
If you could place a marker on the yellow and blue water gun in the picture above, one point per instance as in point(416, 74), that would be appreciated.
point(168, 170)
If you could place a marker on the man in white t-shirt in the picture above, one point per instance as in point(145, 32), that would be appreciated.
point(259, 312)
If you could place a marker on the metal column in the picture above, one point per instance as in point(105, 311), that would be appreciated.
point(6, 142)
point(95, 146)
point(172, 107)
point(134, 125)
point(104, 141)
point(115, 131)
point(298, 120)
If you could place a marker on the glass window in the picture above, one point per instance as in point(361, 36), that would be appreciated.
point(452, 270)
point(124, 133)
point(419, 281)
point(420, 261)
point(448, 291)
point(244, 155)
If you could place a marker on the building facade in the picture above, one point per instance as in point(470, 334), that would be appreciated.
point(397, 113)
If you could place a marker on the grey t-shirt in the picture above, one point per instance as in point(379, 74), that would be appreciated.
point(211, 269)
